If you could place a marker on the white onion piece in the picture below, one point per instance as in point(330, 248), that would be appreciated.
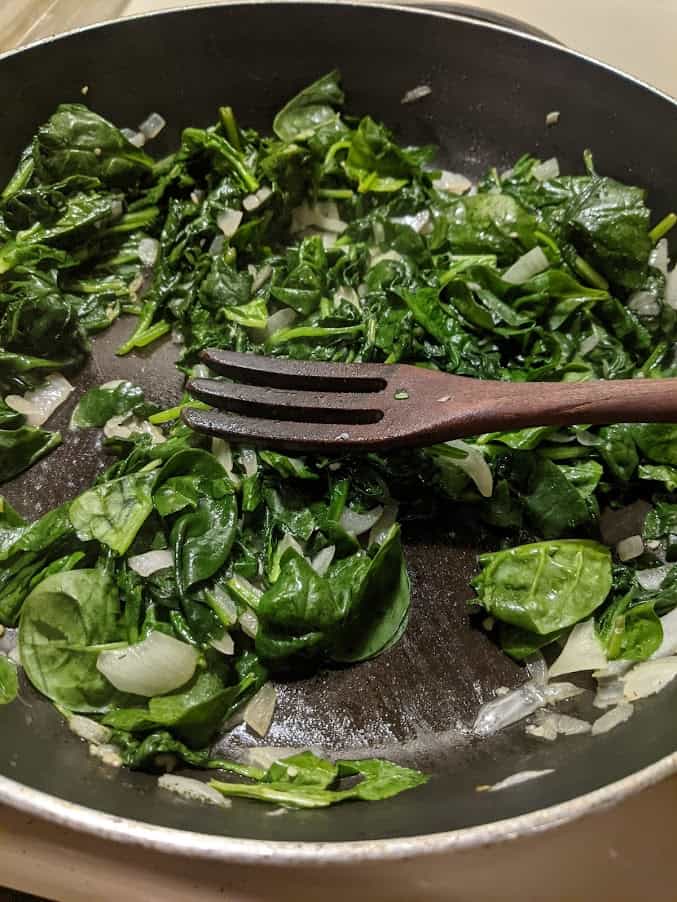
point(279, 320)
point(128, 133)
point(288, 541)
point(527, 266)
point(671, 288)
point(537, 668)
point(658, 258)
point(630, 548)
point(668, 644)
point(560, 692)
point(609, 693)
point(587, 439)
point(193, 790)
point(583, 651)
point(225, 644)
point(149, 248)
point(39, 404)
point(508, 708)
point(89, 729)
point(229, 221)
point(322, 560)
point(254, 201)
point(345, 293)
point(644, 303)
point(137, 139)
point(515, 779)
point(475, 465)
point(107, 754)
point(249, 461)
point(417, 93)
point(221, 451)
point(652, 579)
point(548, 169)
point(552, 118)
point(356, 523)
point(158, 665)
point(588, 344)
point(217, 245)
point(386, 255)
point(227, 608)
point(151, 561)
point(260, 276)
point(249, 623)
point(419, 222)
point(258, 712)
point(381, 528)
point(152, 126)
point(549, 725)
point(323, 215)
point(612, 718)
point(453, 182)
point(264, 756)
point(649, 677)
point(126, 425)
point(613, 669)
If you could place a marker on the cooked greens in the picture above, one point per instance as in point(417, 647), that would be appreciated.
point(326, 241)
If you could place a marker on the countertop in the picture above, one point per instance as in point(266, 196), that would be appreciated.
point(626, 852)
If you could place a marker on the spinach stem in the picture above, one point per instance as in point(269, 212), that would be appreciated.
point(229, 124)
point(172, 413)
point(663, 227)
point(590, 274)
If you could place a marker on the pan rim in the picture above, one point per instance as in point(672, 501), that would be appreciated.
point(309, 854)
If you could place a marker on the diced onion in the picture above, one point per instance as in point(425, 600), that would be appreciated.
point(526, 267)
point(649, 677)
point(453, 182)
point(229, 221)
point(288, 541)
point(671, 288)
point(549, 725)
point(152, 126)
point(653, 578)
point(322, 560)
point(221, 451)
point(264, 756)
point(39, 404)
point(612, 718)
point(585, 438)
point(644, 303)
point(149, 248)
point(345, 293)
point(475, 465)
point(217, 245)
point(225, 644)
point(583, 651)
point(668, 644)
point(560, 692)
point(137, 139)
point(158, 665)
point(260, 276)
point(126, 425)
point(108, 754)
point(258, 712)
point(193, 790)
point(249, 461)
point(515, 779)
point(417, 93)
point(89, 729)
point(279, 320)
point(386, 255)
point(381, 528)
point(548, 169)
point(356, 523)
point(609, 692)
point(506, 709)
point(249, 623)
point(658, 257)
point(552, 118)
point(419, 222)
point(151, 561)
point(254, 201)
point(588, 344)
point(537, 668)
point(323, 215)
point(630, 548)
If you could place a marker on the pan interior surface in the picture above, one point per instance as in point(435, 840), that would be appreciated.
point(491, 91)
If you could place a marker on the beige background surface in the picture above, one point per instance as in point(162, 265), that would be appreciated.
point(626, 853)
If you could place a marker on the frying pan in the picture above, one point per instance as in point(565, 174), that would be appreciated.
point(491, 90)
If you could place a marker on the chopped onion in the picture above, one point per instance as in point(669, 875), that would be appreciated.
point(260, 276)
point(89, 729)
point(225, 644)
point(583, 651)
point(671, 288)
point(137, 139)
point(453, 182)
point(39, 404)
point(560, 692)
point(264, 756)
point(475, 465)
point(249, 623)
point(609, 692)
point(381, 528)
point(548, 169)
point(322, 560)
point(155, 666)
point(282, 319)
point(552, 118)
point(585, 438)
point(151, 561)
point(229, 221)
point(152, 126)
point(126, 425)
point(537, 668)
point(522, 776)
point(108, 754)
point(127, 133)
point(386, 255)
point(417, 93)
point(258, 712)
point(588, 344)
point(630, 548)
point(668, 644)
point(527, 266)
point(508, 708)
point(254, 201)
point(323, 215)
point(356, 523)
point(345, 293)
point(217, 245)
point(644, 303)
point(419, 222)
point(653, 578)
point(249, 461)
point(221, 451)
point(612, 718)
point(649, 677)
point(658, 258)
point(288, 541)
point(613, 669)
point(549, 725)
point(149, 248)
point(193, 790)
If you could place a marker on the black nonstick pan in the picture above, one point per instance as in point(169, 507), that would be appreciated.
point(491, 90)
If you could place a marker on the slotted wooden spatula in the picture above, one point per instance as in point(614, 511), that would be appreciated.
point(306, 406)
